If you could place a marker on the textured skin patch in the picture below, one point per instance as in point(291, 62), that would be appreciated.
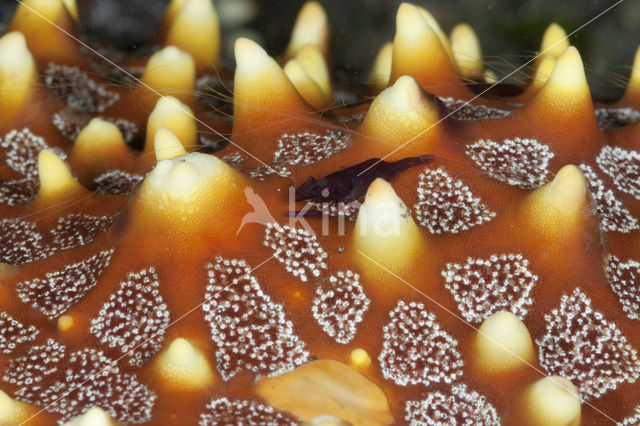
point(302, 149)
point(616, 117)
point(13, 333)
point(612, 216)
point(297, 249)
point(18, 191)
point(134, 318)
point(88, 377)
point(581, 345)
point(356, 118)
point(347, 210)
point(482, 287)
point(76, 230)
point(249, 329)
point(623, 166)
point(448, 205)
point(221, 411)
point(339, 307)
point(20, 243)
point(234, 159)
point(116, 182)
point(462, 110)
point(460, 407)
point(625, 282)
point(633, 420)
point(77, 89)
point(58, 291)
point(518, 162)
point(416, 350)
point(21, 152)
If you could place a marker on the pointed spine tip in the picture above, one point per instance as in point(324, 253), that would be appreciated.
point(554, 41)
point(360, 358)
point(167, 145)
point(12, 412)
point(98, 132)
point(176, 116)
point(94, 416)
point(553, 401)
point(503, 344)
point(171, 71)
point(311, 28)
point(183, 365)
point(467, 51)
point(54, 173)
point(568, 71)
point(410, 22)
point(381, 69)
point(250, 55)
point(195, 28)
point(72, 8)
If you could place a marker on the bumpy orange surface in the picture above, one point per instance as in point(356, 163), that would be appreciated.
point(145, 280)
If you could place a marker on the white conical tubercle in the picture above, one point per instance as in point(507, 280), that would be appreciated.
point(13, 412)
point(99, 134)
point(381, 69)
point(557, 207)
point(54, 175)
point(467, 51)
point(552, 401)
point(554, 41)
point(94, 416)
point(176, 116)
point(171, 71)
point(167, 145)
point(502, 344)
point(311, 28)
point(195, 29)
point(400, 113)
point(183, 365)
point(191, 189)
point(261, 87)
point(18, 72)
point(309, 73)
point(385, 230)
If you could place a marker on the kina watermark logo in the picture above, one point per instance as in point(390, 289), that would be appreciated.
point(262, 215)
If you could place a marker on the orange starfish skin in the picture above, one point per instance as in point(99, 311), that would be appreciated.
point(144, 281)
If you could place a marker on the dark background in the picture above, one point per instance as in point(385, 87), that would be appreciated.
point(510, 31)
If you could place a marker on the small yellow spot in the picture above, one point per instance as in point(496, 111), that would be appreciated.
point(297, 294)
point(360, 358)
point(65, 322)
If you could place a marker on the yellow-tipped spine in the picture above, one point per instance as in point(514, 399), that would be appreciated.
point(502, 344)
point(399, 114)
point(385, 231)
point(552, 401)
point(13, 412)
point(167, 145)
point(183, 365)
point(55, 176)
point(381, 69)
point(415, 40)
point(176, 116)
point(18, 75)
point(311, 28)
point(46, 25)
point(557, 209)
point(170, 72)
point(196, 30)
point(467, 51)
